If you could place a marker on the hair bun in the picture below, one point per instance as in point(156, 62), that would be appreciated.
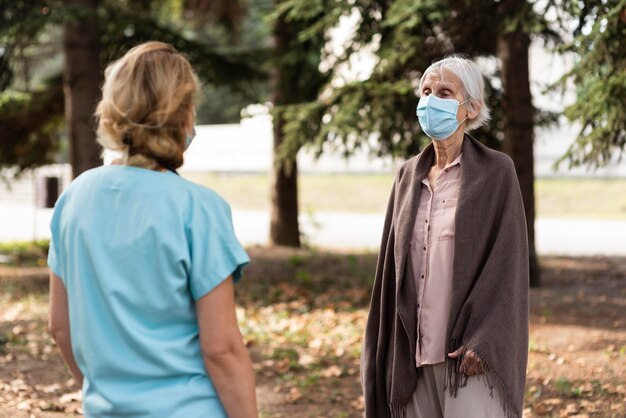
point(147, 97)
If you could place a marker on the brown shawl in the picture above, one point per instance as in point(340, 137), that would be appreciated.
point(489, 295)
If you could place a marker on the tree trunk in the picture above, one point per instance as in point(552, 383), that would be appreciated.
point(284, 227)
point(81, 85)
point(518, 127)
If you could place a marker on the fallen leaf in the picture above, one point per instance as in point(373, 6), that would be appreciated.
point(294, 395)
point(71, 397)
point(332, 371)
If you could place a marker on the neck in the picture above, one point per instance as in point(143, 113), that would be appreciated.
point(448, 150)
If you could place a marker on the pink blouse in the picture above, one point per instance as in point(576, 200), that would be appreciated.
point(432, 250)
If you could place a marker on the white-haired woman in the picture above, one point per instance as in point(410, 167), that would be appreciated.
point(143, 262)
point(447, 333)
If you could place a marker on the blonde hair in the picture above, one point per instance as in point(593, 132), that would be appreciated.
point(147, 99)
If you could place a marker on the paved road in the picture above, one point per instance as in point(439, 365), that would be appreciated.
point(355, 231)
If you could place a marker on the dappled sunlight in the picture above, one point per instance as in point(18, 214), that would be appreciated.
point(302, 314)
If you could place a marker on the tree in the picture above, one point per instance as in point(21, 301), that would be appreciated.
point(599, 74)
point(235, 25)
point(31, 103)
point(299, 35)
point(122, 24)
point(31, 123)
point(408, 36)
point(513, 45)
point(284, 226)
point(81, 83)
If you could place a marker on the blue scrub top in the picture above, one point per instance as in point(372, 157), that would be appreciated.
point(135, 248)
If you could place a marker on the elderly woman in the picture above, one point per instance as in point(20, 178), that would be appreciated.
point(143, 262)
point(447, 333)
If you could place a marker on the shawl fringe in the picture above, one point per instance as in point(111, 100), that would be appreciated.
point(397, 411)
point(454, 379)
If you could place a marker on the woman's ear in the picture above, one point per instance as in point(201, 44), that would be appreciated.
point(473, 109)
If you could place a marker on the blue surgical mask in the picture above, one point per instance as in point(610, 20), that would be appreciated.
point(437, 116)
point(189, 138)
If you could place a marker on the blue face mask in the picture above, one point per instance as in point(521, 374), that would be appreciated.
point(437, 117)
point(189, 138)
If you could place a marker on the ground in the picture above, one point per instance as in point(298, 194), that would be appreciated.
point(302, 313)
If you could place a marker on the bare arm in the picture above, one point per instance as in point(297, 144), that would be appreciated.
point(225, 355)
point(59, 324)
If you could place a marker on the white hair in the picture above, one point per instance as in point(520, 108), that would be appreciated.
point(473, 85)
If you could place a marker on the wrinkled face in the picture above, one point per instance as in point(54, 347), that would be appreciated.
point(445, 85)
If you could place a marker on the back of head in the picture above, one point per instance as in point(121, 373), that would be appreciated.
point(147, 104)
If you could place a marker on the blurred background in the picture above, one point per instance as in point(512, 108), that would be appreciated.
point(307, 109)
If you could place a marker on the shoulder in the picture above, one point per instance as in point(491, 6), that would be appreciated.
point(411, 162)
point(498, 158)
point(203, 192)
point(409, 166)
point(204, 198)
point(496, 162)
point(88, 176)
point(82, 183)
point(500, 163)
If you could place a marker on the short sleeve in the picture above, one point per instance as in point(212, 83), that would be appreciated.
point(214, 249)
point(54, 258)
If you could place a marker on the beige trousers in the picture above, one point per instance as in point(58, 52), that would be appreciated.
point(471, 401)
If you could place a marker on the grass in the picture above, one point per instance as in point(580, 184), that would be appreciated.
point(24, 253)
point(576, 198)
point(556, 198)
point(566, 388)
point(338, 193)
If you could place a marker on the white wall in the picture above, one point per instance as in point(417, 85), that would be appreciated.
point(247, 147)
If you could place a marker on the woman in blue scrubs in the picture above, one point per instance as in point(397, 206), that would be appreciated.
point(143, 262)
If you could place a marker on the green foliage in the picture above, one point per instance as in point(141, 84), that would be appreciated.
point(566, 388)
point(379, 113)
point(300, 30)
point(295, 260)
point(33, 118)
point(228, 43)
point(223, 103)
point(25, 253)
point(122, 29)
point(31, 127)
point(599, 74)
